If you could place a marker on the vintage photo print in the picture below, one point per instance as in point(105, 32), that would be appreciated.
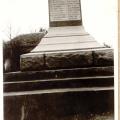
point(60, 59)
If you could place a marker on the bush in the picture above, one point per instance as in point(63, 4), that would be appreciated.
point(17, 46)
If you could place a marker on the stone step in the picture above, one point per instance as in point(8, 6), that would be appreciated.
point(46, 84)
point(60, 91)
point(61, 73)
point(68, 46)
point(69, 39)
point(66, 38)
point(63, 31)
point(67, 59)
point(67, 104)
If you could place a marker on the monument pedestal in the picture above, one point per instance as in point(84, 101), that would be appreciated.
point(67, 47)
point(67, 44)
point(66, 38)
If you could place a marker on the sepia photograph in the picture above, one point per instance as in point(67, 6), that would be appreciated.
point(59, 59)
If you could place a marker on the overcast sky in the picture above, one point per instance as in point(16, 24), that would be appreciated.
point(23, 16)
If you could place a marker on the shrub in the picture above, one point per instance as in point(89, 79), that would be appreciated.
point(17, 46)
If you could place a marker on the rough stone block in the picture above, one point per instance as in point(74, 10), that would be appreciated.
point(32, 62)
point(69, 59)
point(103, 57)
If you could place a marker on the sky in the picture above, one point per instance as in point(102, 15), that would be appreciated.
point(23, 16)
point(100, 20)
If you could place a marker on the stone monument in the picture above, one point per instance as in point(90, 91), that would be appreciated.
point(66, 38)
point(68, 75)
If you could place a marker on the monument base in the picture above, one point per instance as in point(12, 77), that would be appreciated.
point(66, 38)
point(67, 47)
point(67, 76)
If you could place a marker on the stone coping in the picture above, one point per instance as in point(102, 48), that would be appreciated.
point(70, 51)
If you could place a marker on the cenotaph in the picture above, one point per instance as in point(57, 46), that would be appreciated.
point(67, 76)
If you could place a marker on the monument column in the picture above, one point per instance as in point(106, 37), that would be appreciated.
point(64, 13)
